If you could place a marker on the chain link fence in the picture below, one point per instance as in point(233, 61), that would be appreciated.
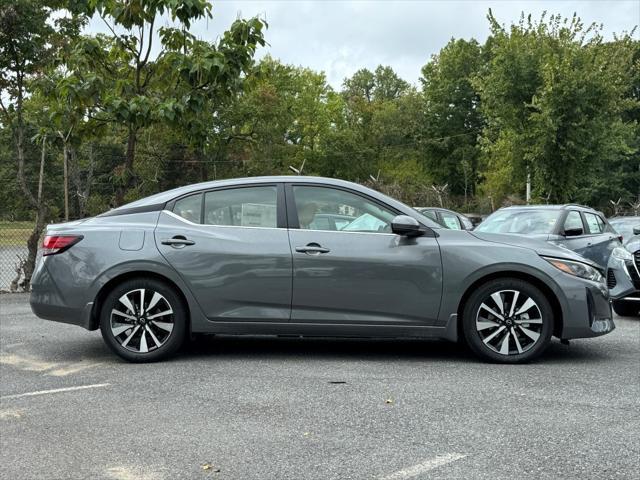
point(14, 235)
point(13, 253)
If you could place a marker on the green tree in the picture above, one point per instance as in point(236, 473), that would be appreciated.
point(29, 41)
point(174, 87)
point(452, 118)
point(551, 96)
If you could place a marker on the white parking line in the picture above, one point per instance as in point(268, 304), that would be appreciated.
point(55, 390)
point(424, 467)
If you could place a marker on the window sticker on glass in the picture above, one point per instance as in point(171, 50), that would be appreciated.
point(450, 221)
point(594, 223)
point(258, 215)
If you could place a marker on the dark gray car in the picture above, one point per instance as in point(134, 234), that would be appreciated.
point(250, 256)
point(575, 227)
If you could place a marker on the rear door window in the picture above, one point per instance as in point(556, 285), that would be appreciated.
point(431, 214)
point(242, 207)
point(595, 224)
point(450, 221)
point(189, 208)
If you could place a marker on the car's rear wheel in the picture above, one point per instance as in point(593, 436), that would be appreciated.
point(143, 320)
point(626, 308)
point(508, 321)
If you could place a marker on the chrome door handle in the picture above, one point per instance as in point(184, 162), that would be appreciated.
point(312, 249)
point(177, 241)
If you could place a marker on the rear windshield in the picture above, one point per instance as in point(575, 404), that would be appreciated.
point(527, 221)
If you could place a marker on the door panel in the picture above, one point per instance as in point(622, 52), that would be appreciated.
point(600, 242)
point(360, 273)
point(366, 278)
point(236, 273)
point(578, 243)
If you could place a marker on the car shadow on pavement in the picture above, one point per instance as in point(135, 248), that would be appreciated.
point(283, 348)
point(324, 348)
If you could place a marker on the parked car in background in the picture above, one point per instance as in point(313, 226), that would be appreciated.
point(575, 227)
point(623, 271)
point(475, 218)
point(447, 218)
point(330, 221)
point(625, 226)
point(252, 256)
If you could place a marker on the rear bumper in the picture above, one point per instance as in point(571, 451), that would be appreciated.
point(48, 303)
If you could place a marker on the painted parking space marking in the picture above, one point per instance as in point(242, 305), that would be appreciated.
point(11, 413)
point(131, 473)
point(426, 466)
point(55, 390)
point(48, 368)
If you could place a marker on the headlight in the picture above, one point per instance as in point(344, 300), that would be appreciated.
point(577, 269)
point(622, 253)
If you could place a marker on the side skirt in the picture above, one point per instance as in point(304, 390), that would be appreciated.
point(447, 332)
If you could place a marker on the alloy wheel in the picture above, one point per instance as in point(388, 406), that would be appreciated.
point(509, 322)
point(142, 320)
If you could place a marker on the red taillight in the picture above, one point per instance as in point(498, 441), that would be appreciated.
point(53, 244)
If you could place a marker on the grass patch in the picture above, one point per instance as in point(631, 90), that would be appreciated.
point(15, 234)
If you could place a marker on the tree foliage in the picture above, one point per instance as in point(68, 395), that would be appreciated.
point(150, 106)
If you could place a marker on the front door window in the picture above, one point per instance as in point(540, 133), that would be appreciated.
point(323, 208)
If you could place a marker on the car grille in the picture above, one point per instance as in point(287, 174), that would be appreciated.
point(611, 279)
point(635, 276)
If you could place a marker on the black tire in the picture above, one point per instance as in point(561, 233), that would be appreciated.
point(161, 342)
point(520, 349)
point(626, 308)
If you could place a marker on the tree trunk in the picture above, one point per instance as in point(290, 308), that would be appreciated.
point(204, 170)
point(65, 161)
point(128, 179)
point(82, 185)
point(41, 216)
point(22, 179)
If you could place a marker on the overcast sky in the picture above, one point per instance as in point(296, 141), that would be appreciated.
point(340, 37)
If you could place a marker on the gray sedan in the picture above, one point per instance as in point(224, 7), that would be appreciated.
point(250, 256)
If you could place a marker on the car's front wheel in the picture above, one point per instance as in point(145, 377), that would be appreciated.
point(143, 320)
point(508, 321)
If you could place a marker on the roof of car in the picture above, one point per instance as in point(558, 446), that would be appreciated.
point(553, 207)
point(195, 187)
point(167, 196)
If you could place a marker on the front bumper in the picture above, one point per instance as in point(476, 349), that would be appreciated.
point(588, 310)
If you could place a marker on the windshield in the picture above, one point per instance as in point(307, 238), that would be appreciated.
point(624, 226)
point(525, 221)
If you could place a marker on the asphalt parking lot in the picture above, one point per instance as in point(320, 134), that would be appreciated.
point(280, 408)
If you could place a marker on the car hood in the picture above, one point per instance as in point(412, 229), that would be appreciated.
point(633, 244)
point(540, 246)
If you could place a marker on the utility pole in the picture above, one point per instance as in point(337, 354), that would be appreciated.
point(528, 186)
